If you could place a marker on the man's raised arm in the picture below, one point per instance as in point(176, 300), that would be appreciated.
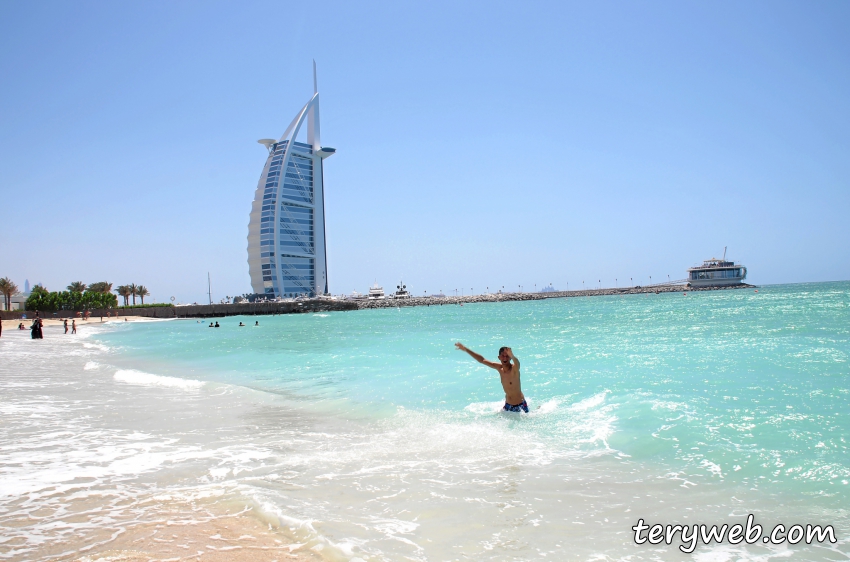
point(513, 357)
point(476, 356)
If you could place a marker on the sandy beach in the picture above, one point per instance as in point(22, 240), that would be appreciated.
point(219, 538)
point(12, 325)
point(212, 537)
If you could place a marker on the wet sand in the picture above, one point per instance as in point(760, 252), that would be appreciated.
point(204, 537)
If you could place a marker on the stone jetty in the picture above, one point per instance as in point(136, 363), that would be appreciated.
point(335, 305)
point(504, 297)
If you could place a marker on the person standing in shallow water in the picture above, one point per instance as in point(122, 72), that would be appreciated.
point(36, 329)
point(509, 373)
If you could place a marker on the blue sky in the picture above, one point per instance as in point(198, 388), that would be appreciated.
point(479, 144)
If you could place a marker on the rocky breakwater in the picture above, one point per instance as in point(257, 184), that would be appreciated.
point(241, 309)
point(504, 297)
point(335, 305)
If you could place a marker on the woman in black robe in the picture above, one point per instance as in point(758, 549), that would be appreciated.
point(36, 329)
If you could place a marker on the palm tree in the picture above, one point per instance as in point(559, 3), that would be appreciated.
point(124, 291)
point(8, 289)
point(101, 287)
point(142, 291)
point(134, 290)
point(77, 287)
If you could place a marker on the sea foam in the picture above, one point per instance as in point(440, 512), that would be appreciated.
point(131, 376)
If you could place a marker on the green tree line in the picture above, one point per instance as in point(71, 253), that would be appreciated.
point(72, 299)
point(77, 296)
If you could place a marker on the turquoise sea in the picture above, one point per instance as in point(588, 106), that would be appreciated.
point(375, 438)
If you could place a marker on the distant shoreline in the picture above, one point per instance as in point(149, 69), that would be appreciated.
point(340, 305)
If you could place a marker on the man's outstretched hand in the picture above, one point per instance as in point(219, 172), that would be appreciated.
point(476, 356)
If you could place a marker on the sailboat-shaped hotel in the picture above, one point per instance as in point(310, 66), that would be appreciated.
point(286, 234)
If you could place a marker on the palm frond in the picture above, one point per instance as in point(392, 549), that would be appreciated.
point(8, 288)
point(100, 287)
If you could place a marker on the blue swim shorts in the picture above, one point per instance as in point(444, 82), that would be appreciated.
point(521, 407)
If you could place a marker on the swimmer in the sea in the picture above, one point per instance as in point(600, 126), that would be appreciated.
point(509, 373)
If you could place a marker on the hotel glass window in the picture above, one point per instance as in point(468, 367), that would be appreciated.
point(298, 274)
point(298, 181)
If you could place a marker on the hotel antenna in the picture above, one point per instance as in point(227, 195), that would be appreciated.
point(209, 287)
point(724, 252)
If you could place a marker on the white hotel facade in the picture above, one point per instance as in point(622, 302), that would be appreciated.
point(286, 233)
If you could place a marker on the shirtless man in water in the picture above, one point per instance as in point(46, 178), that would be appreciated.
point(509, 373)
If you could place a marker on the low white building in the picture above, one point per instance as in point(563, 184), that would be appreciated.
point(18, 301)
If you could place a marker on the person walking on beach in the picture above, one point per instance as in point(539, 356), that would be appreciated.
point(509, 373)
point(73, 326)
point(65, 323)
